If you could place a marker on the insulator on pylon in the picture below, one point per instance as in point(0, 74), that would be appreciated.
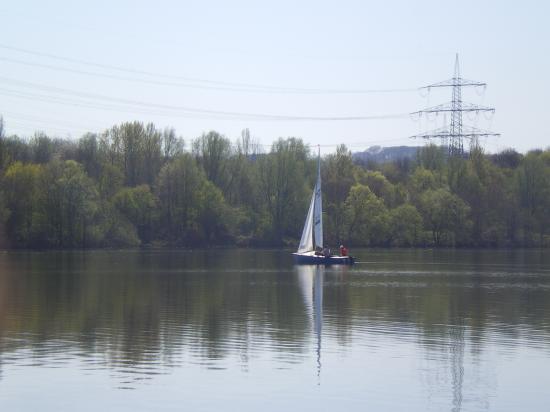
point(454, 138)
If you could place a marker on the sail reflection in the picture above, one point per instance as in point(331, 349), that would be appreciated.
point(456, 333)
point(311, 278)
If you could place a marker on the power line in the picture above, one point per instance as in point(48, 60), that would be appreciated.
point(34, 124)
point(176, 109)
point(206, 84)
point(349, 145)
point(100, 106)
point(129, 79)
point(33, 128)
point(40, 120)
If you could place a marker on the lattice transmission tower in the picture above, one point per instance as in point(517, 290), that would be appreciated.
point(453, 135)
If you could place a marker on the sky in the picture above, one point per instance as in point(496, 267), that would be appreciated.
point(329, 72)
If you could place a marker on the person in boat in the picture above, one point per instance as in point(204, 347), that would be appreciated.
point(343, 251)
point(326, 251)
point(318, 251)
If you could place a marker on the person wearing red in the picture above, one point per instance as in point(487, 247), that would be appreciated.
point(343, 251)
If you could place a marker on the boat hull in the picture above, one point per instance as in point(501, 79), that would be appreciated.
point(309, 259)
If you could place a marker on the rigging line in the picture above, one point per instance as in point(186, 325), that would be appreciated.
point(226, 86)
point(261, 116)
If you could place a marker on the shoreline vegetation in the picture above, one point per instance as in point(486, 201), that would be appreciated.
point(137, 186)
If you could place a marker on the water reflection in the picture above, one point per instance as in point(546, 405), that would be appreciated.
point(311, 285)
point(456, 333)
point(441, 328)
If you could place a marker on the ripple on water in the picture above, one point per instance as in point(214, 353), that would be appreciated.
point(402, 334)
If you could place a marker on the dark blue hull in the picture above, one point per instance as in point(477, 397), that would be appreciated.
point(322, 260)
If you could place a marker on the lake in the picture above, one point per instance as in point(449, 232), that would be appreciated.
point(246, 330)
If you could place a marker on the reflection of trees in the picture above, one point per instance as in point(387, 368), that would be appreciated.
point(136, 308)
point(139, 307)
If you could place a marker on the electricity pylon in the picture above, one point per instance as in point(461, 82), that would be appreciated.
point(453, 136)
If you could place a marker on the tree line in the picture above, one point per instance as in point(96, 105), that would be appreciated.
point(135, 184)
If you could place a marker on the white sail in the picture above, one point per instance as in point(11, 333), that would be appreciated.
point(312, 235)
point(306, 242)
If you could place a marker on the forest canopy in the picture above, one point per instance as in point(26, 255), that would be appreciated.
point(137, 185)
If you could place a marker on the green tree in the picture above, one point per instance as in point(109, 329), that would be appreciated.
point(211, 213)
point(241, 187)
point(508, 158)
point(422, 180)
point(406, 225)
point(13, 149)
point(42, 148)
point(89, 155)
point(68, 203)
point(178, 189)
point(338, 177)
point(283, 181)
point(380, 186)
point(533, 188)
point(20, 188)
point(431, 157)
point(172, 145)
point(212, 151)
point(466, 179)
point(110, 181)
point(446, 216)
point(4, 216)
point(139, 205)
point(366, 217)
point(136, 149)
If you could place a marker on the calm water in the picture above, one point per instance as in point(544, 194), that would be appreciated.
point(246, 330)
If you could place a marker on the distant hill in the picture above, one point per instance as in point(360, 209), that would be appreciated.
point(386, 154)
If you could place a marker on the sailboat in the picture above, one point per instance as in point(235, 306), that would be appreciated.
point(311, 242)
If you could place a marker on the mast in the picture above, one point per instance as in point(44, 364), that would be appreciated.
point(318, 206)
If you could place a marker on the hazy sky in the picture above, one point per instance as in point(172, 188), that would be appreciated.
point(67, 67)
